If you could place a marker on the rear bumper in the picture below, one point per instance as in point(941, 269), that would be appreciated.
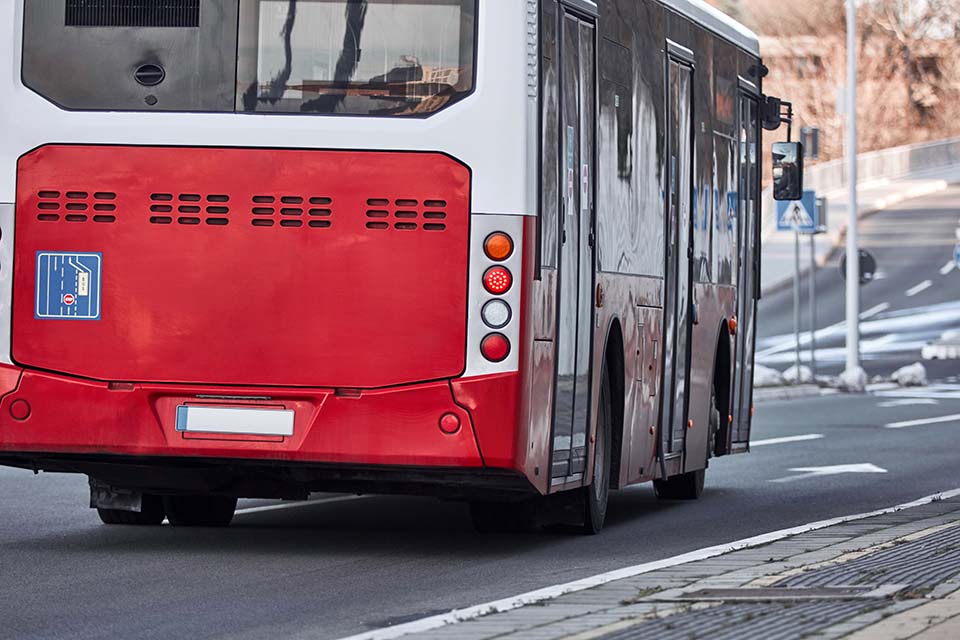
point(70, 416)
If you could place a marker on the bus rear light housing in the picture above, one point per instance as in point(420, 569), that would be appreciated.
point(495, 347)
point(498, 280)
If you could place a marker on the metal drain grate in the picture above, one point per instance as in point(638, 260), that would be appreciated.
point(771, 594)
point(742, 621)
point(925, 562)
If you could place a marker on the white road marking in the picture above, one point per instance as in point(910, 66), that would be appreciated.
point(925, 421)
point(804, 473)
point(908, 402)
point(548, 593)
point(877, 310)
point(947, 268)
point(296, 505)
point(786, 440)
point(923, 286)
point(933, 393)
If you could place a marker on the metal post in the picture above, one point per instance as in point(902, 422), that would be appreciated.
point(813, 304)
point(853, 248)
point(796, 302)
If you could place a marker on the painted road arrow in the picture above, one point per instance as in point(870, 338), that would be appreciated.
point(812, 472)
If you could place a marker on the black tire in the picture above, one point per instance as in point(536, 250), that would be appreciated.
point(688, 486)
point(151, 513)
point(504, 517)
point(596, 496)
point(200, 511)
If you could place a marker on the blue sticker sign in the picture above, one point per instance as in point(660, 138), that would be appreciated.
point(68, 286)
point(798, 215)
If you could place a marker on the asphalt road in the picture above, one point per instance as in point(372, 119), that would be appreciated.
point(913, 301)
point(332, 568)
point(326, 570)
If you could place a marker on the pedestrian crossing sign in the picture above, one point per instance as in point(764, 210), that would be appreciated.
point(798, 215)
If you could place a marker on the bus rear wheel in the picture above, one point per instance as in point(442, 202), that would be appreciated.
point(151, 513)
point(200, 511)
point(688, 486)
point(596, 496)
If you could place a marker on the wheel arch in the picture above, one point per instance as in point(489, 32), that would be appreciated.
point(615, 363)
point(722, 386)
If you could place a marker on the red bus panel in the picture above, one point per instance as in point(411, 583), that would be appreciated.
point(244, 266)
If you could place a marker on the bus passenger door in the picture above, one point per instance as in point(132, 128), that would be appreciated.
point(575, 304)
point(674, 401)
point(748, 259)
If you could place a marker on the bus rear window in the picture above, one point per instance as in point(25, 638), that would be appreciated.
point(355, 57)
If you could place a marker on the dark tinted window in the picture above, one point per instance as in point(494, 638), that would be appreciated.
point(368, 57)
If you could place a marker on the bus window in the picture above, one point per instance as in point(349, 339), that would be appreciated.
point(371, 57)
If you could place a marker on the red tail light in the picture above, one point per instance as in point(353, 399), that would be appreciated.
point(495, 347)
point(498, 280)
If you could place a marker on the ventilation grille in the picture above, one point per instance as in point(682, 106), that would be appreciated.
point(214, 209)
point(189, 209)
point(76, 206)
point(292, 211)
point(133, 13)
point(406, 214)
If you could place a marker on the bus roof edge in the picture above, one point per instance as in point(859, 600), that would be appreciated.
point(717, 22)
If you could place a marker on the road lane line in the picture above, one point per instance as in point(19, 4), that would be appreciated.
point(925, 421)
point(947, 268)
point(877, 310)
point(786, 440)
point(548, 593)
point(908, 402)
point(923, 286)
point(296, 505)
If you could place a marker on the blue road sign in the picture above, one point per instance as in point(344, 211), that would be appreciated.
point(68, 286)
point(956, 255)
point(798, 215)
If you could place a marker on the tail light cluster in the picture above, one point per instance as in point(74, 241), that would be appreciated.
point(496, 265)
point(497, 281)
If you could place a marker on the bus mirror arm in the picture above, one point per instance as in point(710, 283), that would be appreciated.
point(776, 112)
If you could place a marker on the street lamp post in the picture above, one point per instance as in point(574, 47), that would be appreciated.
point(853, 249)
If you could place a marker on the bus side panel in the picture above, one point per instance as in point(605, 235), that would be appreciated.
point(632, 302)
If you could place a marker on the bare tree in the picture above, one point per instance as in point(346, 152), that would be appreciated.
point(909, 66)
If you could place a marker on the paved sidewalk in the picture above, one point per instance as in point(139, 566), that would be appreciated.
point(894, 575)
point(778, 247)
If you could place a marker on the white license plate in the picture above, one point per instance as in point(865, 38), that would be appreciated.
point(235, 420)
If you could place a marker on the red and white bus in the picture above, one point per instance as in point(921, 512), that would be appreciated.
point(503, 251)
